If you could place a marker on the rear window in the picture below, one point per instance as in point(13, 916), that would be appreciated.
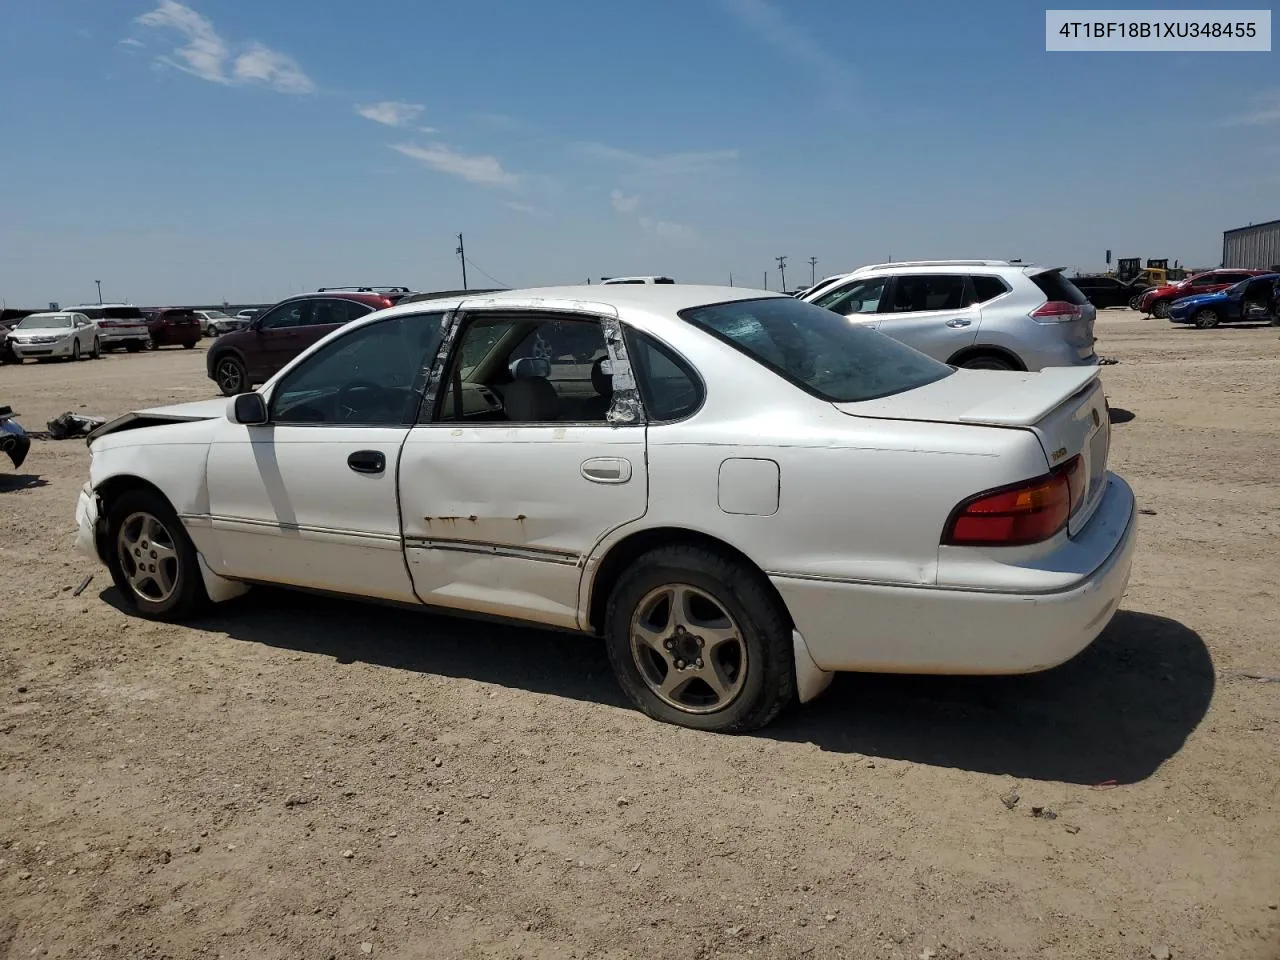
point(112, 313)
point(1057, 287)
point(817, 350)
point(179, 315)
point(988, 288)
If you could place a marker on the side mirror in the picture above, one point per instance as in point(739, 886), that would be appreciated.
point(247, 408)
point(527, 367)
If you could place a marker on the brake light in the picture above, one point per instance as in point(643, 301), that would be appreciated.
point(1057, 311)
point(386, 302)
point(1028, 512)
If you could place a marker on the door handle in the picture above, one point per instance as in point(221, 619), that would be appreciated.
point(367, 461)
point(607, 469)
point(959, 322)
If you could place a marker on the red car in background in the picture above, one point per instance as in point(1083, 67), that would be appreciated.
point(1156, 301)
point(240, 360)
point(173, 326)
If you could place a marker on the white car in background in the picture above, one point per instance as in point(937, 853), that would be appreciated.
point(215, 322)
point(120, 325)
point(613, 281)
point(743, 494)
point(64, 334)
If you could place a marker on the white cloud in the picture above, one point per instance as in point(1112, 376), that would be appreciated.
point(208, 56)
point(480, 168)
point(667, 164)
point(278, 70)
point(525, 208)
point(668, 230)
point(769, 23)
point(392, 113)
point(130, 42)
point(622, 203)
point(1265, 112)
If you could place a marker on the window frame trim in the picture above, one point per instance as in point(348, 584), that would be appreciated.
point(681, 364)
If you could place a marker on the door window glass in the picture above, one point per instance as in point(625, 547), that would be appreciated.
point(373, 375)
point(296, 313)
point(988, 288)
point(930, 291)
point(861, 296)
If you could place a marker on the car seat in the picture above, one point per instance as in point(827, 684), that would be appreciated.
point(531, 400)
point(597, 407)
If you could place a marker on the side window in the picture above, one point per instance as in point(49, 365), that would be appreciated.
point(669, 388)
point(292, 314)
point(531, 370)
point(931, 291)
point(988, 288)
point(1205, 280)
point(371, 376)
point(861, 296)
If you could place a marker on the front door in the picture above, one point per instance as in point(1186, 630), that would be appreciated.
point(519, 471)
point(932, 312)
point(859, 300)
point(309, 498)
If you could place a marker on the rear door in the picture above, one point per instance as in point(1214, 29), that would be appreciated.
point(935, 313)
point(517, 472)
point(1077, 332)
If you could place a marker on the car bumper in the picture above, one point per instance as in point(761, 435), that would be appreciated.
point(86, 541)
point(37, 350)
point(887, 628)
point(131, 336)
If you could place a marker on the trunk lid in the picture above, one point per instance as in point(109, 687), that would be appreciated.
point(1063, 406)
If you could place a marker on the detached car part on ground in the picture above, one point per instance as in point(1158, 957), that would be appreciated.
point(740, 492)
point(14, 442)
point(1254, 300)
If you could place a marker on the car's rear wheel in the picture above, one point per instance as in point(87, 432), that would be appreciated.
point(1206, 318)
point(696, 639)
point(135, 346)
point(231, 376)
point(152, 560)
point(97, 349)
point(188, 346)
point(988, 362)
point(1160, 309)
point(1133, 302)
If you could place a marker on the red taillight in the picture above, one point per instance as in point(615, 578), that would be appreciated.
point(1029, 512)
point(1058, 310)
point(384, 302)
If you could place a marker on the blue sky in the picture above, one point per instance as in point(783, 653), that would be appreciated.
point(247, 150)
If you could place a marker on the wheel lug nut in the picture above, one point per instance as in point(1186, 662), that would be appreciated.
point(699, 661)
point(670, 644)
point(679, 664)
point(700, 642)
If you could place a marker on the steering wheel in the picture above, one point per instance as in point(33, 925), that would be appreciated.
point(348, 408)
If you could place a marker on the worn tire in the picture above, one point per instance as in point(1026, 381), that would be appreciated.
point(770, 683)
point(188, 597)
point(1206, 319)
point(230, 375)
point(188, 346)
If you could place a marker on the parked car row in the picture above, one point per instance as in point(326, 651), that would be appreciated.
point(666, 467)
point(1158, 300)
point(1255, 299)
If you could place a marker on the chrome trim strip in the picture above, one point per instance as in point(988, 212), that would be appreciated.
point(205, 519)
point(545, 554)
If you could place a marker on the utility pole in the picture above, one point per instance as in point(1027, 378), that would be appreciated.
point(462, 255)
point(782, 269)
point(813, 265)
point(766, 280)
point(731, 279)
point(99, 283)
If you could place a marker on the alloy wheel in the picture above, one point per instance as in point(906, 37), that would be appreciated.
point(148, 557)
point(688, 648)
point(229, 376)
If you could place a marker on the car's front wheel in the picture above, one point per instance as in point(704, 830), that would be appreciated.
point(97, 349)
point(1206, 318)
point(152, 560)
point(1160, 309)
point(697, 639)
point(75, 351)
point(230, 375)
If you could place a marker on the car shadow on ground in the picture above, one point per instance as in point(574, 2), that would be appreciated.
point(21, 481)
point(1121, 415)
point(1115, 713)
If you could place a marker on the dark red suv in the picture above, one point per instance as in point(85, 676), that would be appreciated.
point(240, 360)
point(173, 326)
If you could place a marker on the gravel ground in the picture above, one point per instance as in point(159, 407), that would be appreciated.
point(303, 778)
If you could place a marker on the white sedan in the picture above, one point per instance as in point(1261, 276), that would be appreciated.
point(740, 492)
point(65, 335)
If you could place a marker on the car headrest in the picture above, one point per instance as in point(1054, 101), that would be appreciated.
point(531, 400)
point(527, 367)
point(602, 377)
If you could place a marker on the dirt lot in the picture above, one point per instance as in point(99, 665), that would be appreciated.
point(308, 779)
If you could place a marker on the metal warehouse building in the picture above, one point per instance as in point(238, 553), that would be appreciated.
point(1256, 247)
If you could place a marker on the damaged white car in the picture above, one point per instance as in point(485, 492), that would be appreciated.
point(740, 492)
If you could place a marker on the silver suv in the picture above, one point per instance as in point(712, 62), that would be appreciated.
point(981, 314)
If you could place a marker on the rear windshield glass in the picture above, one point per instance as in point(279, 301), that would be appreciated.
point(112, 313)
point(1057, 287)
point(817, 350)
point(179, 315)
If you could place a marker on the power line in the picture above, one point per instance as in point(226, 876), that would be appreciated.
point(488, 276)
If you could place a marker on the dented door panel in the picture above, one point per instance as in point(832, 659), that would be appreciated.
point(499, 519)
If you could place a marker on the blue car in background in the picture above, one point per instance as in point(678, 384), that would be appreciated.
point(1256, 299)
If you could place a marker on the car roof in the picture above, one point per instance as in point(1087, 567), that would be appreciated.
point(52, 313)
point(369, 299)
